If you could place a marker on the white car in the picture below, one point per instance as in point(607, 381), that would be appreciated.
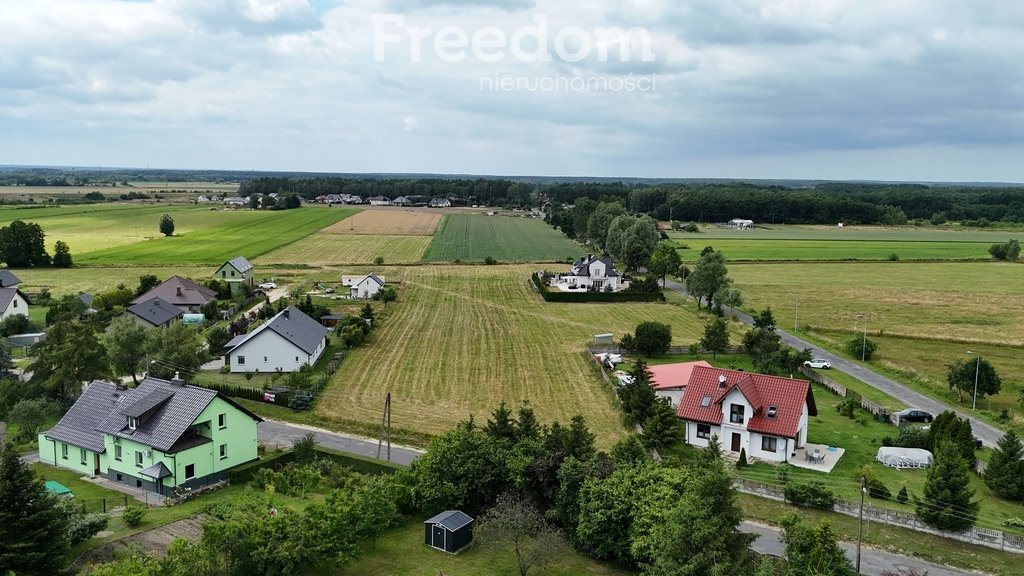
point(818, 363)
point(268, 285)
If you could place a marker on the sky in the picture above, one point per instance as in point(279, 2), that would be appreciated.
point(919, 90)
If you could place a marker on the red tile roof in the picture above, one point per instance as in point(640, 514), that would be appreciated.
point(761, 390)
point(673, 375)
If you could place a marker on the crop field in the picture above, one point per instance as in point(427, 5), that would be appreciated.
point(462, 339)
point(95, 279)
point(848, 233)
point(472, 238)
point(337, 249)
point(388, 222)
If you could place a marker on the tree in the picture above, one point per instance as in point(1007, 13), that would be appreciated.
point(664, 261)
point(62, 255)
point(254, 201)
point(517, 524)
point(367, 312)
point(71, 355)
point(716, 336)
point(23, 245)
point(146, 283)
point(947, 426)
point(388, 294)
point(1005, 471)
point(292, 201)
point(33, 531)
point(600, 221)
point(6, 362)
point(947, 503)
point(17, 324)
point(69, 307)
point(304, 448)
point(708, 277)
point(813, 550)
point(615, 243)
point(961, 377)
point(652, 338)
point(216, 338)
point(640, 242)
point(461, 469)
point(178, 350)
point(31, 415)
point(662, 429)
point(501, 425)
point(1009, 251)
point(166, 225)
point(127, 342)
point(379, 260)
point(637, 396)
point(861, 347)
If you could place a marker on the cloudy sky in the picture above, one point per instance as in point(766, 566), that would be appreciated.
point(845, 89)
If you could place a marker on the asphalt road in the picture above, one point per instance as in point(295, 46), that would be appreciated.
point(276, 433)
point(872, 562)
point(987, 433)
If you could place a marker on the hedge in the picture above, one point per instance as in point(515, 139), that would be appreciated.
point(625, 296)
point(361, 464)
point(236, 391)
point(245, 472)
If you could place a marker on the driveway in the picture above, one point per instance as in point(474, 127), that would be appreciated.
point(988, 434)
point(277, 433)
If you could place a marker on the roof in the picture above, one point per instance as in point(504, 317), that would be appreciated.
point(239, 263)
point(7, 294)
point(787, 395)
point(7, 279)
point(294, 326)
point(180, 292)
point(79, 424)
point(673, 375)
point(157, 471)
point(86, 298)
point(156, 311)
point(582, 266)
point(375, 278)
point(450, 519)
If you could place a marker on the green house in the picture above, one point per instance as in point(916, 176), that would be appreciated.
point(159, 436)
point(236, 272)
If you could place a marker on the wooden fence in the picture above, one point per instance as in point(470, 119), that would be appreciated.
point(987, 537)
point(607, 379)
point(672, 350)
point(841, 391)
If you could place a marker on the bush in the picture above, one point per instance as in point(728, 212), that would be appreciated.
point(490, 261)
point(861, 347)
point(810, 495)
point(133, 516)
point(379, 260)
point(742, 462)
point(691, 227)
point(913, 437)
point(894, 257)
point(902, 496)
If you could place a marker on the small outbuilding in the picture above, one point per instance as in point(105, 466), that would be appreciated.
point(451, 531)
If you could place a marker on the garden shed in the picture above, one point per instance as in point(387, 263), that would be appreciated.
point(450, 531)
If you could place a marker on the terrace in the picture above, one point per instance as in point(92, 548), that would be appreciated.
point(817, 457)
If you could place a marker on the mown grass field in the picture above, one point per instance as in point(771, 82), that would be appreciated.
point(472, 238)
point(461, 339)
point(389, 222)
point(337, 249)
point(95, 279)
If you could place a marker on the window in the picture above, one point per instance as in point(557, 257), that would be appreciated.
point(190, 471)
point(264, 358)
point(736, 413)
point(84, 459)
point(705, 401)
point(223, 451)
point(133, 423)
point(773, 411)
point(769, 443)
point(64, 451)
point(296, 358)
point(15, 302)
point(138, 459)
point(222, 421)
point(240, 360)
point(117, 452)
point(703, 430)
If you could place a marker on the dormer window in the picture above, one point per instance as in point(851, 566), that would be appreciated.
point(772, 411)
point(133, 423)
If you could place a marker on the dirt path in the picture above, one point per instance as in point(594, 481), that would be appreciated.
point(154, 540)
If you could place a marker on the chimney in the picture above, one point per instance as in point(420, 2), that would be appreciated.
point(177, 381)
point(721, 380)
point(179, 291)
point(287, 314)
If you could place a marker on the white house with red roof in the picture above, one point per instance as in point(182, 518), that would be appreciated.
point(764, 415)
point(670, 380)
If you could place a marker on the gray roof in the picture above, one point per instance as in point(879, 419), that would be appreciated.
point(156, 311)
point(146, 403)
point(157, 471)
point(450, 519)
point(79, 425)
point(7, 294)
point(582, 266)
point(240, 263)
point(294, 326)
point(86, 298)
point(180, 292)
point(375, 278)
point(7, 279)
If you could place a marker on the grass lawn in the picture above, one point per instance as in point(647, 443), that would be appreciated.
point(402, 551)
point(854, 385)
point(95, 279)
point(783, 250)
point(771, 232)
point(82, 489)
point(473, 237)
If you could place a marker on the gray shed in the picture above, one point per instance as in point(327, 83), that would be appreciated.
point(450, 531)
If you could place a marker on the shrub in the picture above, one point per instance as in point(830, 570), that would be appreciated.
point(902, 496)
point(742, 462)
point(848, 407)
point(490, 261)
point(810, 494)
point(133, 516)
point(894, 257)
point(1015, 522)
point(379, 260)
point(691, 227)
point(861, 347)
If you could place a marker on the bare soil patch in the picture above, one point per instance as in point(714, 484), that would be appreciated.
point(389, 221)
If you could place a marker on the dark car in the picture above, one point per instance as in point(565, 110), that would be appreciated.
point(911, 415)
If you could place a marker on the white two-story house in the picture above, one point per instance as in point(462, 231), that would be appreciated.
point(12, 300)
point(766, 416)
point(592, 272)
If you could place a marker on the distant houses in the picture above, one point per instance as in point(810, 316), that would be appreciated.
point(12, 300)
point(379, 201)
point(440, 203)
point(285, 343)
point(154, 313)
point(741, 224)
point(363, 287)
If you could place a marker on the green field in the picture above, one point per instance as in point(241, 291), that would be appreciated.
point(472, 238)
point(338, 249)
point(95, 279)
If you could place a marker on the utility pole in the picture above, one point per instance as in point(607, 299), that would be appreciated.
point(977, 367)
point(860, 523)
point(796, 315)
point(385, 427)
point(864, 342)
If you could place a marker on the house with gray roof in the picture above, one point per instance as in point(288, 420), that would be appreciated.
point(159, 436)
point(12, 300)
point(363, 287)
point(236, 272)
point(284, 343)
point(8, 279)
point(592, 273)
point(154, 313)
point(187, 295)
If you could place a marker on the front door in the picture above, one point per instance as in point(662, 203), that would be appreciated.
point(735, 442)
point(96, 465)
point(437, 538)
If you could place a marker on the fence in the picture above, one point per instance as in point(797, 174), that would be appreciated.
point(672, 350)
point(103, 505)
point(841, 391)
point(987, 537)
point(604, 375)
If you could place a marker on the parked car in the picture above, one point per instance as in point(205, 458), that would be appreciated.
point(268, 285)
point(328, 290)
point(818, 363)
point(913, 415)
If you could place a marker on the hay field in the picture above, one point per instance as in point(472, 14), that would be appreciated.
point(337, 249)
point(462, 339)
point(388, 222)
point(473, 237)
point(94, 279)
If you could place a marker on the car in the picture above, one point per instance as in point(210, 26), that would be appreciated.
point(328, 290)
point(914, 415)
point(268, 285)
point(818, 363)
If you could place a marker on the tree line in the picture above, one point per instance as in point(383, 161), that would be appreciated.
point(23, 245)
point(493, 192)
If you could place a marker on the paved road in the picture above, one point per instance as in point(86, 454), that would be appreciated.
point(988, 434)
point(872, 562)
point(276, 433)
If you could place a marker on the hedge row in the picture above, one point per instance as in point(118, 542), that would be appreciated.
point(357, 463)
point(245, 472)
point(236, 391)
point(625, 296)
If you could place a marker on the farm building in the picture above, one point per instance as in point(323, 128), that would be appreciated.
point(740, 223)
point(363, 286)
point(236, 272)
point(440, 203)
point(451, 531)
point(182, 292)
point(285, 343)
point(669, 380)
point(591, 273)
point(154, 313)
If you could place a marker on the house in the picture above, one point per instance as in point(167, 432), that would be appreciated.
point(440, 203)
point(284, 343)
point(159, 436)
point(182, 292)
point(154, 313)
point(12, 300)
point(740, 223)
point(592, 272)
point(450, 531)
point(351, 199)
point(379, 201)
point(203, 198)
point(402, 201)
point(236, 201)
point(669, 380)
point(764, 415)
point(363, 286)
point(236, 272)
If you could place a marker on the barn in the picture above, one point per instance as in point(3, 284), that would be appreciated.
point(450, 531)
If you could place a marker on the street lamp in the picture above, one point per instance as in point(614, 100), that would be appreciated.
point(977, 366)
point(864, 339)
